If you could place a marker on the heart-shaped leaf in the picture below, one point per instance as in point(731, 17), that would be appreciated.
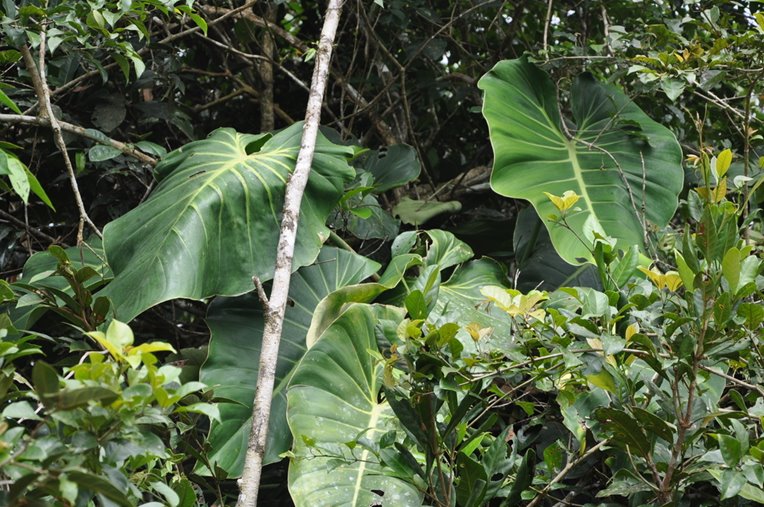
point(236, 326)
point(213, 221)
point(624, 166)
point(332, 401)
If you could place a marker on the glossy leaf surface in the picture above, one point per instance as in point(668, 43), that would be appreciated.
point(213, 221)
point(332, 400)
point(622, 164)
point(236, 326)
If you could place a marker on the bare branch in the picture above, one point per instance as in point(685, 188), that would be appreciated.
point(561, 475)
point(380, 125)
point(546, 28)
point(80, 131)
point(41, 87)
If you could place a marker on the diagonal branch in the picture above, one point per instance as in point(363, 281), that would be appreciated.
point(46, 111)
point(276, 307)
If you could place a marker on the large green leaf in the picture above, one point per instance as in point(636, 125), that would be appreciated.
point(213, 221)
point(236, 326)
point(457, 300)
point(333, 399)
point(335, 303)
point(622, 164)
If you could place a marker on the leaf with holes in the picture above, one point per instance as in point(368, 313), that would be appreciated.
point(213, 221)
point(622, 164)
point(333, 399)
point(236, 326)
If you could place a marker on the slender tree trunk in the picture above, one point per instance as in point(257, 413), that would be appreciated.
point(266, 73)
point(276, 304)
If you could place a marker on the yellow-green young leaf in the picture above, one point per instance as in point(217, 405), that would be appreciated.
point(655, 276)
point(564, 203)
point(499, 296)
point(631, 330)
point(672, 280)
point(119, 334)
point(687, 275)
point(731, 268)
point(760, 20)
point(603, 380)
point(723, 161)
point(100, 337)
point(152, 347)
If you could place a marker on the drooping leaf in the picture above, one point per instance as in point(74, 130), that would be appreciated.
point(213, 221)
point(332, 400)
point(7, 102)
point(17, 174)
point(236, 326)
point(597, 157)
point(333, 304)
point(416, 212)
point(392, 167)
point(446, 250)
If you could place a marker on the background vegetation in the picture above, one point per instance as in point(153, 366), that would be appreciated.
point(443, 304)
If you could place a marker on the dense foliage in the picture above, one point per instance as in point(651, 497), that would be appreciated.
point(528, 267)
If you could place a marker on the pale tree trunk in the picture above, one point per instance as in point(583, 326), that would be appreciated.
point(276, 304)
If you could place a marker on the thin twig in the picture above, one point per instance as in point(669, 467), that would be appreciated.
point(560, 476)
point(265, 69)
point(547, 20)
point(261, 292)
point(732, 379)
point(82, 132)
point(383, 129)
point(30, 230)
